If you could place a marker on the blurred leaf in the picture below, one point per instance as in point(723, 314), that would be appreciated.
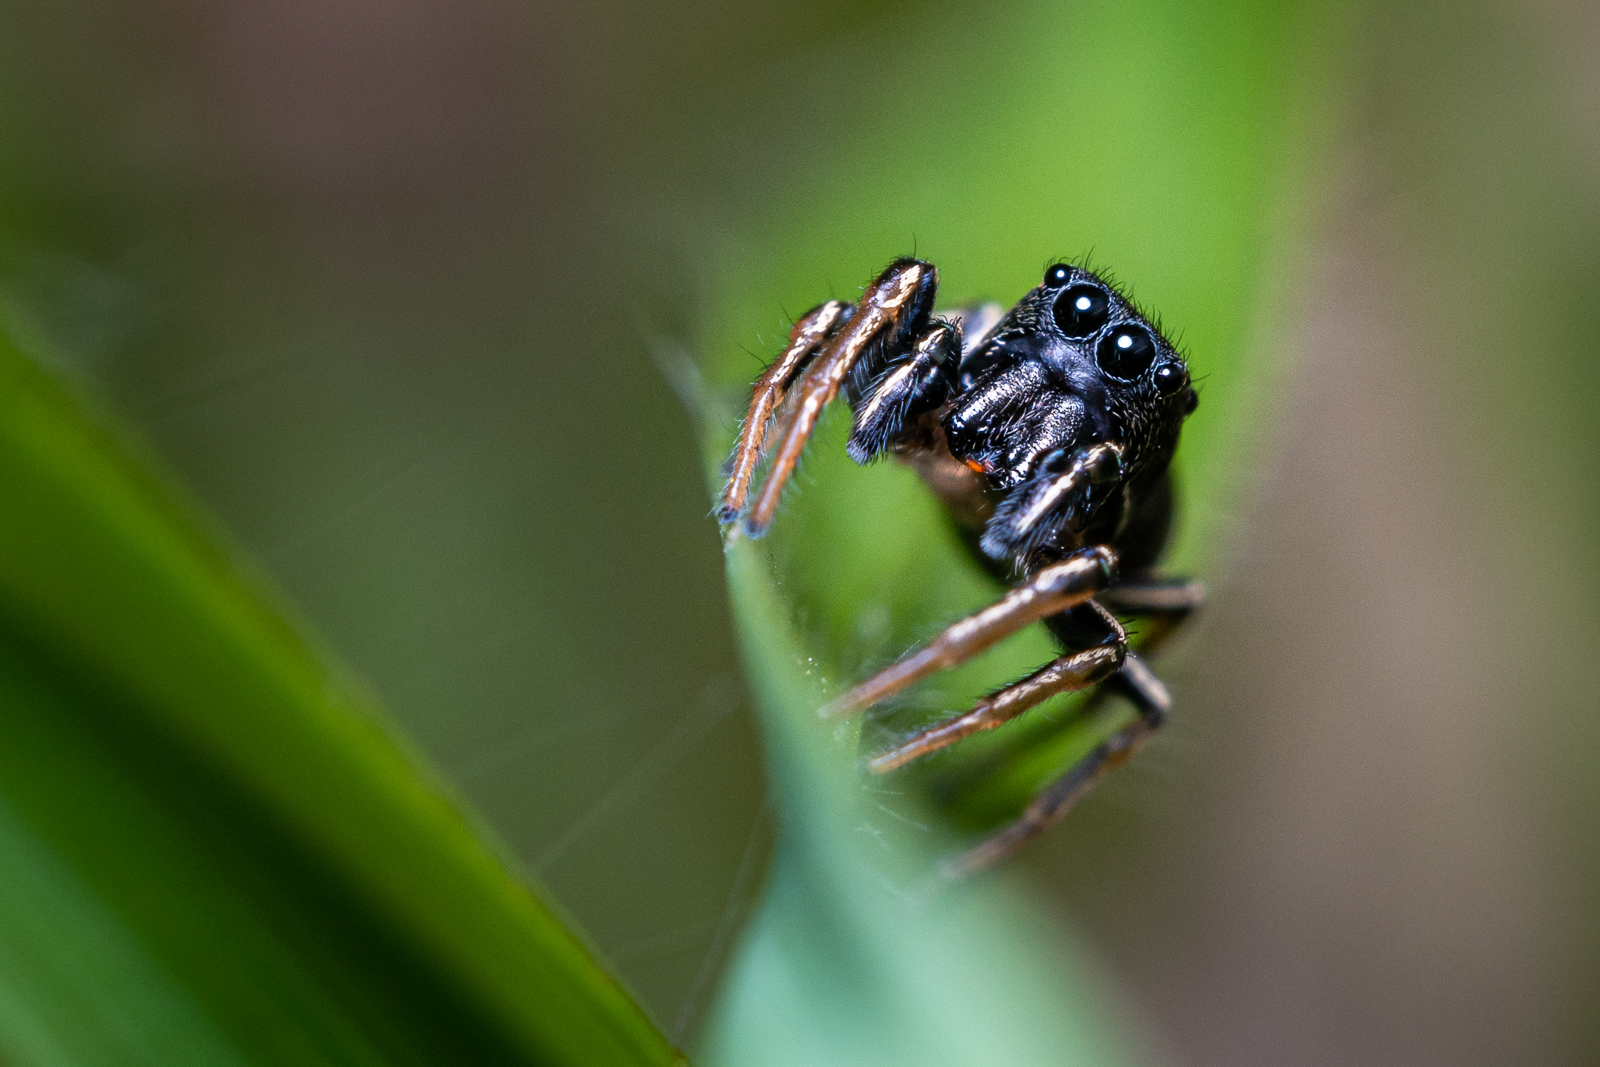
point(861, 952)
point(210, 849)
point(1176, 143)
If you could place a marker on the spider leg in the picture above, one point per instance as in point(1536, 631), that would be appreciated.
point(1165, 602)
point(1051, 590)
point(1064, 490)
point(1153, 702)
point(896, 305)
point(1149, 595)
point(810, 333)
point(1073, 671)
point(905, 391)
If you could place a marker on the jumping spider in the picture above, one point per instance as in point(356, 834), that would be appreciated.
point(1048, 439)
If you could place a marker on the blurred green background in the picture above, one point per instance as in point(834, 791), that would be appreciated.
point(385, 283)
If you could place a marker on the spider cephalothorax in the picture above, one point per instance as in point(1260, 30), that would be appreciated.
point(1048, 436)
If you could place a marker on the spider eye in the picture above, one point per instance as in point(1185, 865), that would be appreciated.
point(1170, 377)
point(1059, 274)
point(1082, 310)
point(1126, 351)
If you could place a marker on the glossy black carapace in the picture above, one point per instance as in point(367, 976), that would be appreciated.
point(1047, 432)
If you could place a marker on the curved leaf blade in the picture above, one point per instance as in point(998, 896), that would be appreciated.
point(272, 878)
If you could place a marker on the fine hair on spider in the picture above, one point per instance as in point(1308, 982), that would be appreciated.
point(1047, 433)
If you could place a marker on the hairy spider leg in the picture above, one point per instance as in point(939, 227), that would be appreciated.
point(1059, 496)
point(901, 295)
point(1062, 675)
point(1073, 671)
point(903, 391)
point(1166, 602)
point(1056, 800)
point(810, 333)
point(1051, 590)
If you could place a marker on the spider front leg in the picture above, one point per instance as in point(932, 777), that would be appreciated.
point(1065, 489)
point(887, 324)
point(805, 341)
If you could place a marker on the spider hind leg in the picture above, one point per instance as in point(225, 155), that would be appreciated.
point(1078, 669)
point(1062, 795)
point(1167, 602)
point(1051, 590)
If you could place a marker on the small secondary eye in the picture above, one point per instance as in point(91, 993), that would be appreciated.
point(1126, 352)
point(1082, 310)
point(1170, 377)
point(1059, 274)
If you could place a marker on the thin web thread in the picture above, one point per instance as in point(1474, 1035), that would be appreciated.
point(732, 910)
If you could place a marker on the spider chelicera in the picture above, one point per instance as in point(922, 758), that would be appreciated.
point(1048, 438)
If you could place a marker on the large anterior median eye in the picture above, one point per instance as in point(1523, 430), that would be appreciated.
point(1082, 310)
point(1126, 352)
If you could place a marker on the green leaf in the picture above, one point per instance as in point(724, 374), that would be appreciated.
point(211, 850)
point(1177, 143)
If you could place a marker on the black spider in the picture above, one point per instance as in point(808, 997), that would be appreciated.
point(1048, 439)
